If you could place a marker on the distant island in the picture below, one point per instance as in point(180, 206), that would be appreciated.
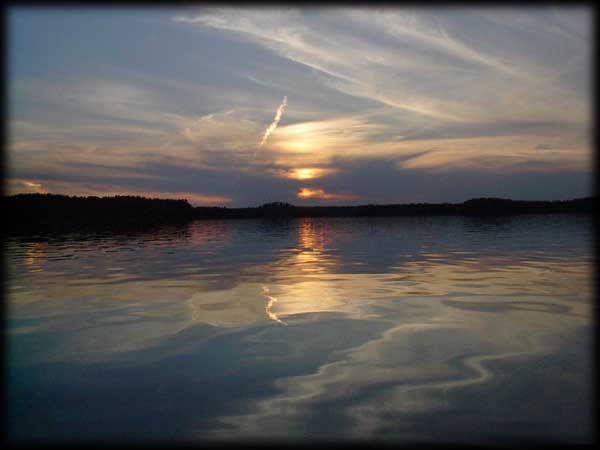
point(52, 212)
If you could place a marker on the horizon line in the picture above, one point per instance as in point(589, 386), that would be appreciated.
point(287, 204)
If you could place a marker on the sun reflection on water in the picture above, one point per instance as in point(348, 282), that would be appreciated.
point(35, 256)
point(374, 321)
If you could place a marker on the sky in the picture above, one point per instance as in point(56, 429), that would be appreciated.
point(317, 106)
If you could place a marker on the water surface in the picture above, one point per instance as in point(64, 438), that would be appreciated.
point(450, 329)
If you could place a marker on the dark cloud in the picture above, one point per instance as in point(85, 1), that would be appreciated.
point(381, 182)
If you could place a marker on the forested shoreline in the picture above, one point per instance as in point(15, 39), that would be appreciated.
point(52, 212)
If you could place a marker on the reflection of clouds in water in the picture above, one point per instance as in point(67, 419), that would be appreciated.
point(119, 312)
point(355, 294)
point(272, 300)
point(407, 370)
point(366, 339)
point(239, 306)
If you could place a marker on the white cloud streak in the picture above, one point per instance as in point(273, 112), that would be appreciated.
point(275, 122)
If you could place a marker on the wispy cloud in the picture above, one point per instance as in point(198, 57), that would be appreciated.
point(421, 90)
point(397, 73)
point(438, 71)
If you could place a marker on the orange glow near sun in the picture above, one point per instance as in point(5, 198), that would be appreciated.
point(305, 193)
point(307, 173)
point(320, 194)
point(304, 174)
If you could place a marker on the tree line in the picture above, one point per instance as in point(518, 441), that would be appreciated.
point(52, 212)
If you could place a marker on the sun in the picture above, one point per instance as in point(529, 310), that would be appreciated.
point(305, 174)
point(308, 173)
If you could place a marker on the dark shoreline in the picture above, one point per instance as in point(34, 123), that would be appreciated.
point(31, 213)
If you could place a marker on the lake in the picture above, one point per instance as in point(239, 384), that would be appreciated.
point(401, 329)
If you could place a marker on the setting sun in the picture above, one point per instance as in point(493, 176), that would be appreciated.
point(308, 173)
point(305, 174)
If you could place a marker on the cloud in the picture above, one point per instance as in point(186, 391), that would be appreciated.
point(320, 194)
point(426, 92)
point(510, 153)
point(473, 85)
point(304, 173)
point(316, 142)
point(547, 146)
point(275, 122)
point(17, 186)
point(232, 131)
point(427, 63)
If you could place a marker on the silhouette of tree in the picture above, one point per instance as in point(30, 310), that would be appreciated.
point(50, 212)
